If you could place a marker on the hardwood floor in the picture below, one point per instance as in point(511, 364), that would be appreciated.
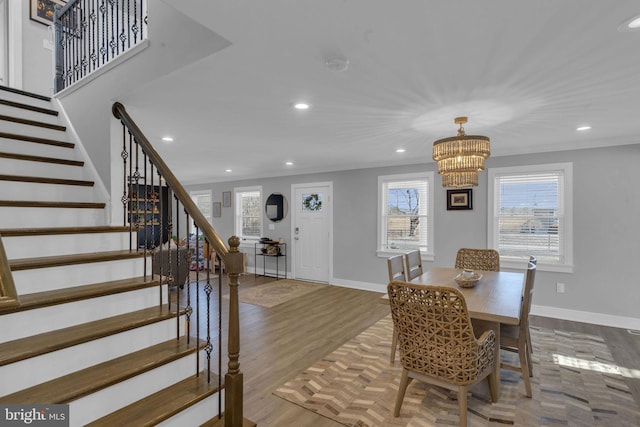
point(278, 343)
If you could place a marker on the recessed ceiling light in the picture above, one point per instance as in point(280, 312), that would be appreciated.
point(289, 163)
point(301, 106)
point(227, 170)
point(400, 150)
point(167, 139)
point(583, 128)
point(631, 24)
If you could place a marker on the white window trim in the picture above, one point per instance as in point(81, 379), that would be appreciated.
point(197, 193)
point(567, 168)
point(429, 177)
point(245, 241)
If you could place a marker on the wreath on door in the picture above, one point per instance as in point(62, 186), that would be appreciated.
point(312, 202)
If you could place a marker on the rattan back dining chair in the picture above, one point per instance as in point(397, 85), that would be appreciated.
point(437, 343)
point(516, 338)
point(478, 259)
point(396, 268)
point(413, 264)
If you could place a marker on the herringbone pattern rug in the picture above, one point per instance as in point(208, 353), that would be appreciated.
point(575, 383)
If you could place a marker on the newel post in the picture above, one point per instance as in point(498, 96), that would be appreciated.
point(234, 263)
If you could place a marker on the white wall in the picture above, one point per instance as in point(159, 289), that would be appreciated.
point(604, 286)
point(37, 61)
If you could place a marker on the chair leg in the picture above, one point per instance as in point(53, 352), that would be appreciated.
point(491, 379)
point(404, 383)
point(394, 344)
point(462, 405)
point(529, 353)
point(524, 366)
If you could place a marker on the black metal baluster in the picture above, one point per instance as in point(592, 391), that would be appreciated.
point(125, 202)
point(197, 303)
point(178, 267)
point(135, 22)
point(141, 20)
point(207, 289)
point(103, 50)
point(219, 261)
point(146, 214)
point(163, 208)
point(128, 24)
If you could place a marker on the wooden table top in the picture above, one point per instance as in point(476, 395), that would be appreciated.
point(496, 297)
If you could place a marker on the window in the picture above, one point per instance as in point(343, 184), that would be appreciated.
point(530, 213)
point(248, 210)
point(202, 199)
point(405, 220)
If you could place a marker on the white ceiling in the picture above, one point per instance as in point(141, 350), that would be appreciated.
point(527, 73)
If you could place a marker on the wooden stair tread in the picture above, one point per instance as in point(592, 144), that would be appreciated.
point(162, 405)
point(28, 107)
point(78, 293)
point(32, 123)
point(36, 140)
point(45, 204)
point(59, 260)
point(94, 378)
point(43, 231)
point(43, 180)
point(41, 159)
point(25, 93)
point(47, 342)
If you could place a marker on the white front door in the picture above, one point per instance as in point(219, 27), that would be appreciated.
point(312, 231)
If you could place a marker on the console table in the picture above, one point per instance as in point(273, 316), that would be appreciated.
point(270, 249)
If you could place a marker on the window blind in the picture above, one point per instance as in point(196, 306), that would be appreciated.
point(405, 215)
point(529, 215)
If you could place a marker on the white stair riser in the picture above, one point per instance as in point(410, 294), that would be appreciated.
point(41, 169)
point(27, 373)
point(21, 113)
point(23, 99)
point(36, 149)
point(19, 217)
point(197, 414)
point(48, 279)
point(32, 322)
point(97, 405)
point(31, 130)
point(64, 244)
point(16, 190)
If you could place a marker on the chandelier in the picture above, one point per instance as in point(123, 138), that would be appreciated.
point(461, 157)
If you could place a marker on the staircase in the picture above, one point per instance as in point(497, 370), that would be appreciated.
point(92, 330)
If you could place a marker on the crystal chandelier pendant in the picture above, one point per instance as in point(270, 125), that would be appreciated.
point(461, 157)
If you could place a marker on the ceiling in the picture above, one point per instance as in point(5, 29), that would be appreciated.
point(527, 74)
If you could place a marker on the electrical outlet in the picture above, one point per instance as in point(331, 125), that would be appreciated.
point(560, 288)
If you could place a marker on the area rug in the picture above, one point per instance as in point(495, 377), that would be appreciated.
point(575, 383)
point(277, 292)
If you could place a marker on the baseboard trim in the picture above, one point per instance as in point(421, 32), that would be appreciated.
point(586, 317)
point(537, 310)
point(363, 286)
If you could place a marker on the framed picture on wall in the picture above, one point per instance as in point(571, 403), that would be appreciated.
point(42, 10)
point(459, 199)
point(226, 199)
point(217, 209)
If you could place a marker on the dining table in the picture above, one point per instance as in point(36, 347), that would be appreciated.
point(496, 298)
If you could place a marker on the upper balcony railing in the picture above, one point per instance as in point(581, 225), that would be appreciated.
point(90, 33)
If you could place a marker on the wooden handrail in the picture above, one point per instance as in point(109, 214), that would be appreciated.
point(8, 294)
point(190, 207)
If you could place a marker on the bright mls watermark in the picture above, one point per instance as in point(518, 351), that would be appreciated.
point(34, 415)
